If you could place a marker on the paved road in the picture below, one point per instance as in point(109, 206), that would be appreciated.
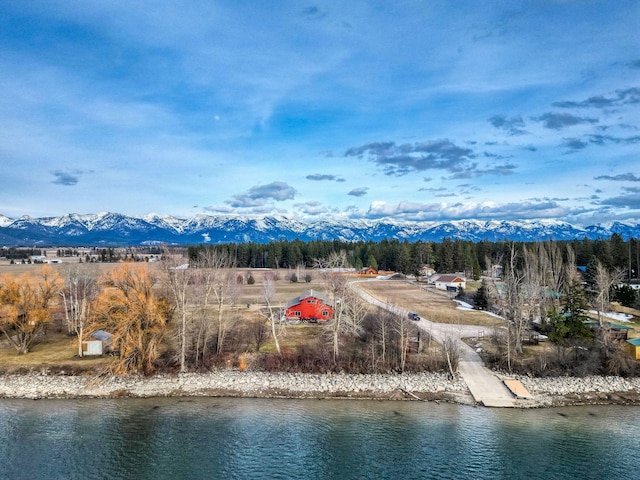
point(485, 387)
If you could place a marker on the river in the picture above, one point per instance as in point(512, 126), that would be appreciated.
point(184, 438)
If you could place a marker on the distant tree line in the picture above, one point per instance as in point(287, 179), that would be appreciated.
point(19, 253)
point(113, 255)
point(449, 255)
point(67, 252)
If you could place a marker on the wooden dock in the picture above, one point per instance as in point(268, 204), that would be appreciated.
point(518, 390)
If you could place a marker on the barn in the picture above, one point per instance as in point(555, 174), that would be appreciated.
point(309, 306)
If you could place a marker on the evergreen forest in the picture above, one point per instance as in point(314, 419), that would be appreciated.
point(448, 256)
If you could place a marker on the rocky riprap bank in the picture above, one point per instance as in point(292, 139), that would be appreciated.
point(583, 390)
point(233, 383)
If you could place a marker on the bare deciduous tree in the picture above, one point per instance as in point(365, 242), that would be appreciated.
point(273, 315)
point(217, 287)
point(80, 289)
point(533, 287)
point(554, 272)
point(402, 334)
point(513, 279)
point(258, 332)
point(451, 348)
point(348, 309)
point(604, 282)
point(179, 276)
point(383, 326)
point(509, 298)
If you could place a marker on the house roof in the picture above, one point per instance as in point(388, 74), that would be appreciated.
point(450, 278)
point(612, 326)
point(634, 341)
point(303, 295)
point(101, 335)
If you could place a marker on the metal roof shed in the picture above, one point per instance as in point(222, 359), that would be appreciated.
point(634, 347)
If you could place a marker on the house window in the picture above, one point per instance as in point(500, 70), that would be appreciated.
point(297, 314)
point(325, 313)
point(311, 300)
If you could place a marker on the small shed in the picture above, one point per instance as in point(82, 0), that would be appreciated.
point(99, 346)
point(91, 347)
point(634, 347)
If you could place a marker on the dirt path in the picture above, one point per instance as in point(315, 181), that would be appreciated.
point(485, 387)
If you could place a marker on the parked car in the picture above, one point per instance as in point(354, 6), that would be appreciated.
point(414, 316)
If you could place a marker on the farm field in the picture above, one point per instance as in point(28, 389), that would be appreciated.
point(426, 301)
point(16, 269)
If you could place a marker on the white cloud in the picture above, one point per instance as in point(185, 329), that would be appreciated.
point(413, 211)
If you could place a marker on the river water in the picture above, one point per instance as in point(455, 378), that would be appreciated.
point(183, 438)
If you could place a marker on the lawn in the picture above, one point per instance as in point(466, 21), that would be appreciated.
point(53, 350)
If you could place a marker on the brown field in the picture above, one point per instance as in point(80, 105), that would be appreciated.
point(285, 290)
point(17, 269)
point(426, 301)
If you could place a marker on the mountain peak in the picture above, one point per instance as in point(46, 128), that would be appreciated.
point(109, 228)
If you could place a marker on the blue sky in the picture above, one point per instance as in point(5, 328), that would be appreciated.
point(405, 110)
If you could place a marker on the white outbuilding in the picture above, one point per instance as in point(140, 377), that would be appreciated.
point(450, 283)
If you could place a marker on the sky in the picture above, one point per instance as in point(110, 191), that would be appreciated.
point(340, 110)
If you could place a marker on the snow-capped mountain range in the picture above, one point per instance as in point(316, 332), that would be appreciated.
point(113, 229)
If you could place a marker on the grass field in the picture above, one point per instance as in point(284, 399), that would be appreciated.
point(428, 302)
point(54, 349)
point(17, 269)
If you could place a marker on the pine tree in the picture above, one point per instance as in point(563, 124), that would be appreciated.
point(569, 324)
point(481, 298)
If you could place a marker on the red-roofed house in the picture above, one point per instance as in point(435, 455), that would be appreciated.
point(309, 306)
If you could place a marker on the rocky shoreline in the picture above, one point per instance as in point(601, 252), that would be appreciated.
point(233, 383)
point(590, 390)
